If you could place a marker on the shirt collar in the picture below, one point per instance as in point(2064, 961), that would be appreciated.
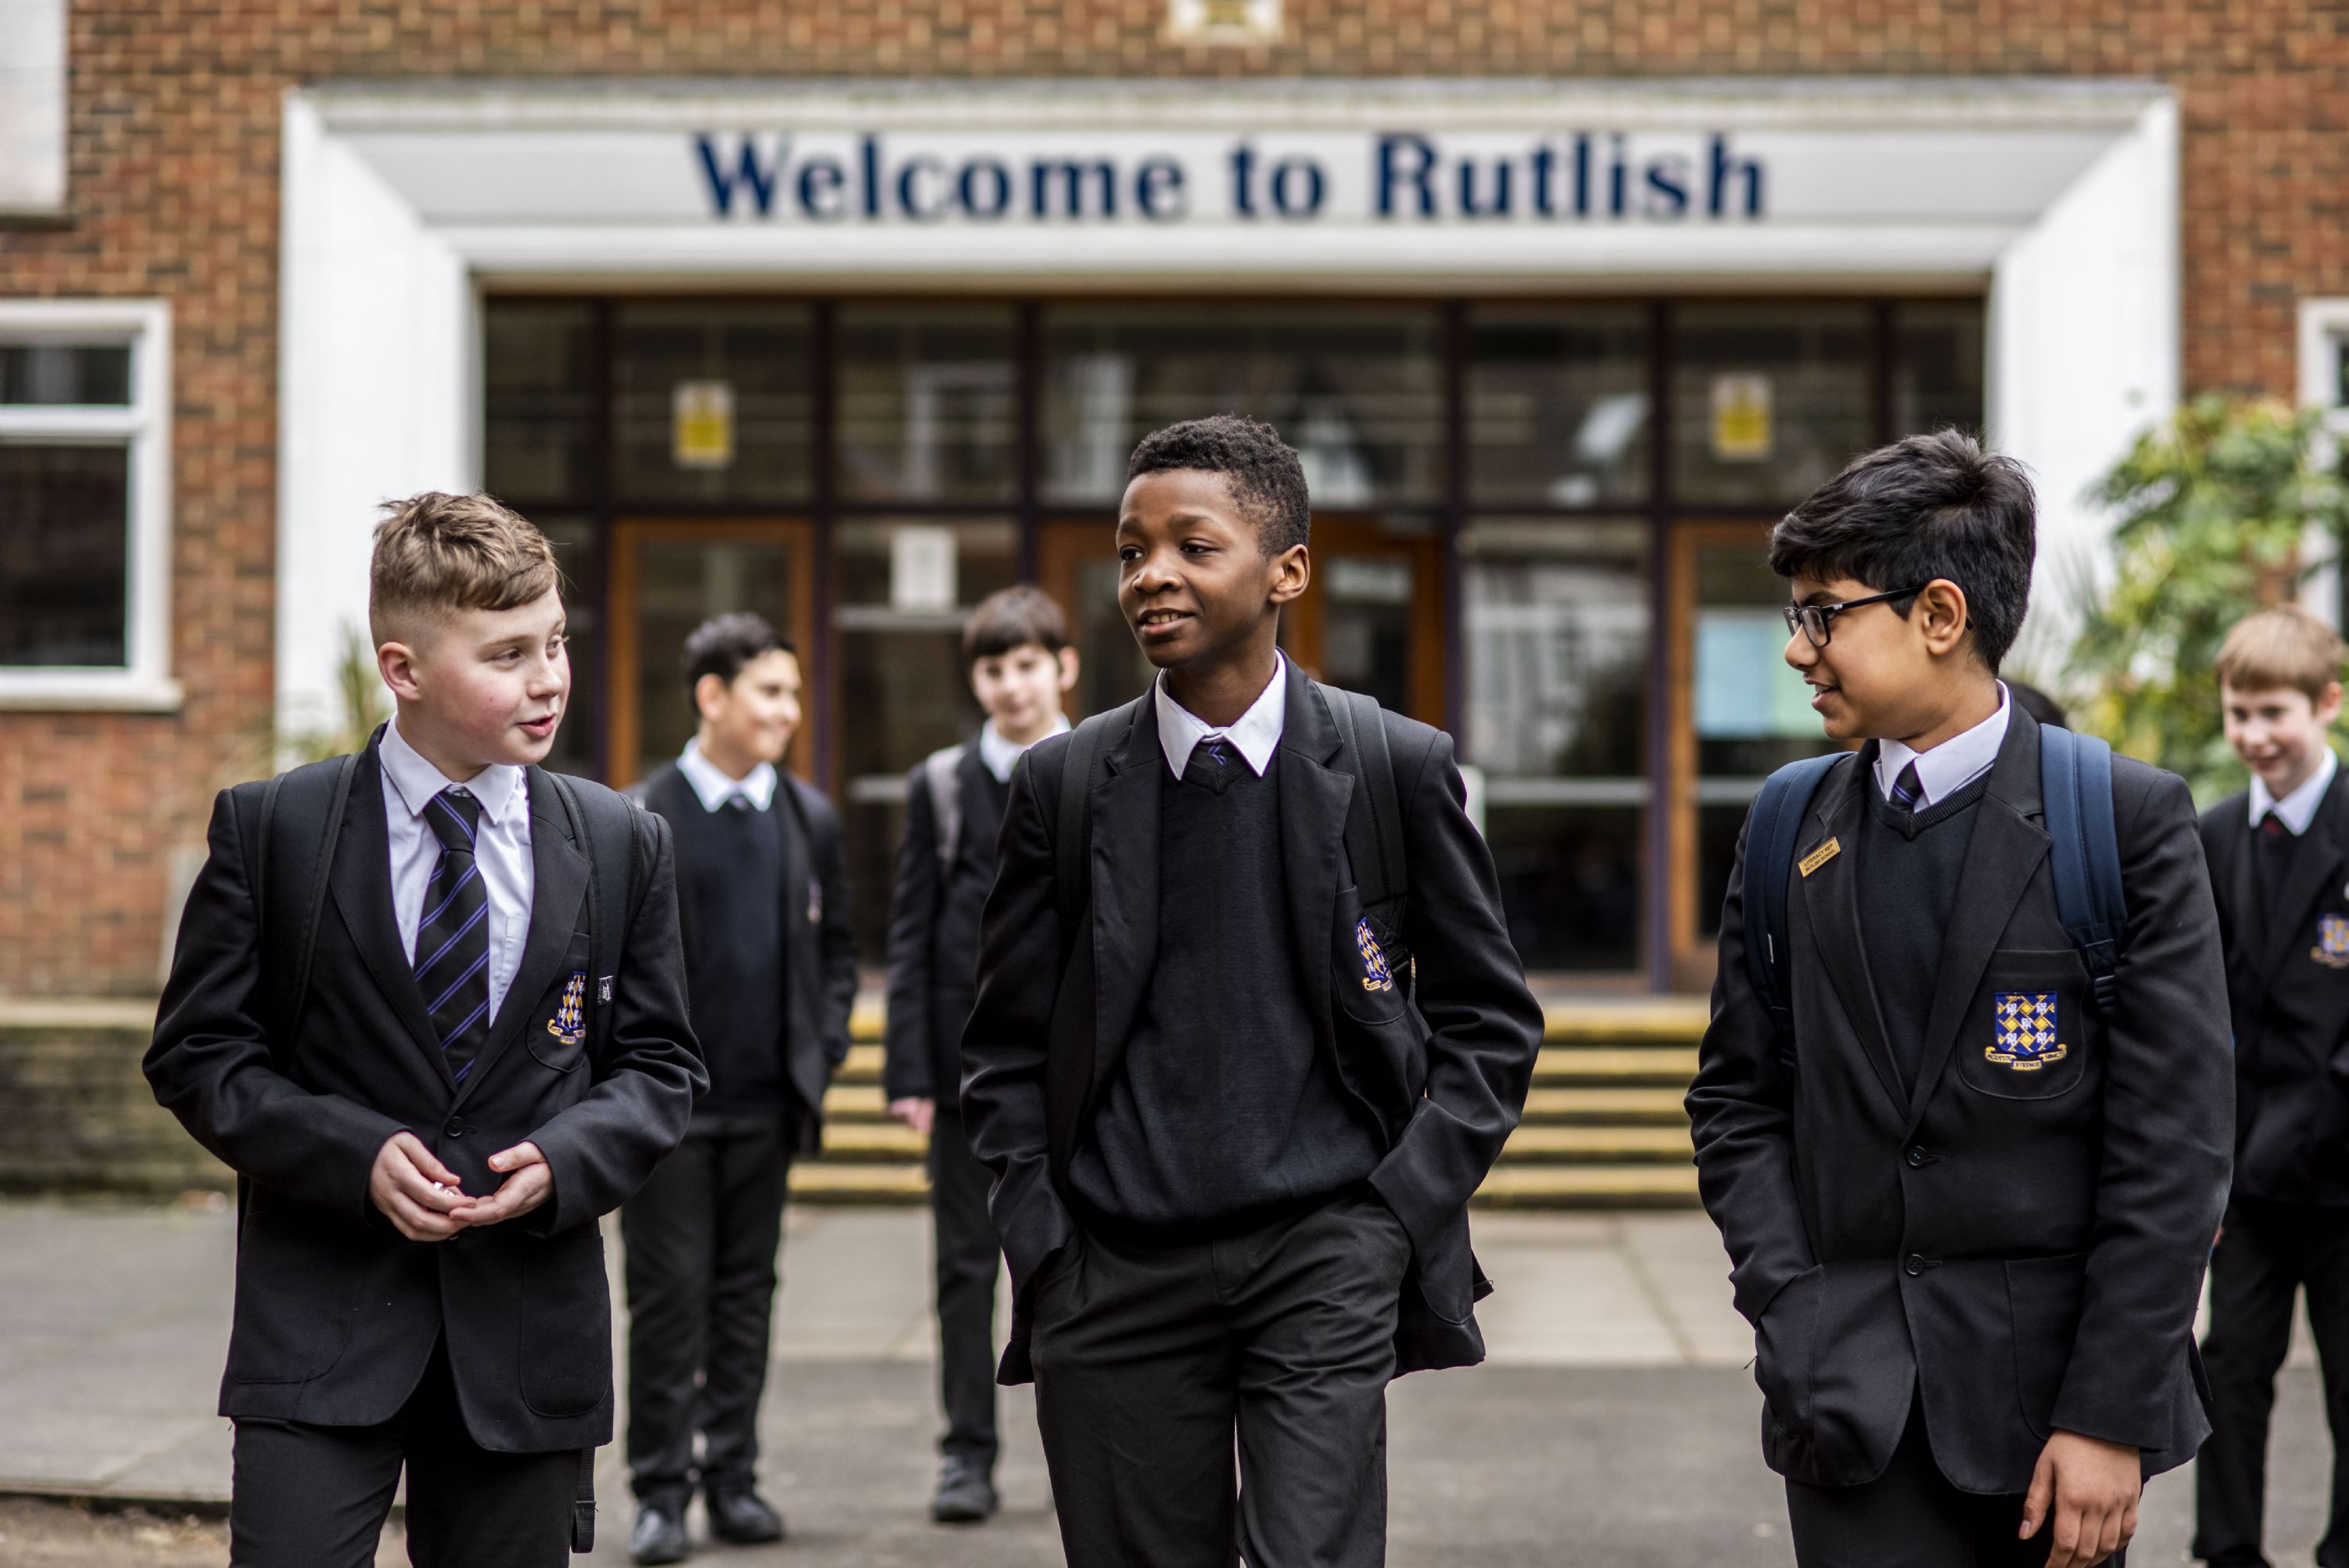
point(501, 788)
point(1257, 734)
point(1949, 766)
point(715, 786)
point(2297, 810)
point(1001, 756)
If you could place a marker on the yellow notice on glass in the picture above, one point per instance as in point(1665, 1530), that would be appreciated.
point(701, 435)
point(1819, 856)
point(1741, 429)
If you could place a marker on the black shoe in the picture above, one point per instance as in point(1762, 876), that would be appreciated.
point(659, 1534)
point(965, 1494)
point(741, 1517)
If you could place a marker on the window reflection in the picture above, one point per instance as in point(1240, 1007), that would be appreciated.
point(1558, 405)
point(1769, 401)
point(1937, 367)
point(928, 409)
point(714, 401)
point(537, 400)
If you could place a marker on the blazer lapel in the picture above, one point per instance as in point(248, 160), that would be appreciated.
point(361, 883)
point(2249, 936)
point(1313, 804)
point(1830, 900)
point(1124, 879)
point(559, 884)
point(2315, 862)
point(2003, 857)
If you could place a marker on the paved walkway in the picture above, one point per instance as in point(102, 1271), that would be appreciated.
point(1614, 1425)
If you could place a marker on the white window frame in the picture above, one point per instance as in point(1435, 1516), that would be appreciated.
point(143, 682)
point(2324, 332)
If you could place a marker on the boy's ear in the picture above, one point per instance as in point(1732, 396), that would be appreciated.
point(396, 662)
point(1068, 658)
point(2328, 704)
point(1292, 568)
point(708, 697)
point(1939, 615)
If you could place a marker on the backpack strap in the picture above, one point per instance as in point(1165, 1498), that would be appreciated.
point(938, 770)
point(1072, 834)
point(2075, 791)
point(310, 855)
point(611, 830)
point(1773, 831)
point(1374, 832)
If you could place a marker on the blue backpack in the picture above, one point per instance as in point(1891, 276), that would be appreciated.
point(2075, 786)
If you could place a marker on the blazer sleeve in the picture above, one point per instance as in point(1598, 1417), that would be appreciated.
point(1741, 1109)
point(1004, 1046)
point(1484, 1028)
point(602, 1149)
point(210, 1062)
point(913, 934)
point(836, 938)
point(2168, 1135)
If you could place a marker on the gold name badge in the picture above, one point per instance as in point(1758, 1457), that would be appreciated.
point(1820, 856)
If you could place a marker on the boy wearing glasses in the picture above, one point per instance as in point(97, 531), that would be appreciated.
point(1972, 1265)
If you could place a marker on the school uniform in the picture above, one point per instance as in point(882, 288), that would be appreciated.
point(1231, 1158)
point(771, 965)
point(2278, 869)
point(1964, 1209)
point(934, 917)
point(449, 997)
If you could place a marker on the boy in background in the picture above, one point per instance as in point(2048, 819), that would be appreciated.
point(1015, 648)
point(383, 1015)
point(771, 968)
point(1970, 1251)
point(2278, 853)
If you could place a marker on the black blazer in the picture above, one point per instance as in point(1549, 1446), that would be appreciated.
point(819, 975)
point(336, 1312)
point(2288, 985)
point(2026, 1246)
point(1447, 1079)
point(933, 937)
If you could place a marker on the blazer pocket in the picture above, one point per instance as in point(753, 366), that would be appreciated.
point(2028, 1032)
point(565, 1328)
point(2044, 1297)
point(557, 1033)
point(1786, 1349)
point(1371, 968)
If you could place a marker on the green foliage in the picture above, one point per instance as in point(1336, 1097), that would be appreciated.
point(364, 704)
point(2217, 513)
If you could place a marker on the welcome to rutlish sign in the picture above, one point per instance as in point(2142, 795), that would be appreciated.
point(1389, 176)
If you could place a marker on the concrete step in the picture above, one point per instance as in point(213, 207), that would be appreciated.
point(1590, 1187)
point(1613, 1145)
point(1604, 1106)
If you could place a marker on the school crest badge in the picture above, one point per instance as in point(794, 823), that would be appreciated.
point(567, 1025)
point(2332, 948)
point(2025, 1025)
point(1376, 977)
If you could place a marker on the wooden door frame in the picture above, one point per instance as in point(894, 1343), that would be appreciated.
point(1679, 788)
point(623, 653)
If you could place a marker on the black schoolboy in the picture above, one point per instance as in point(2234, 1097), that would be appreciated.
point(1967, 1210)
point(1233, 1143)
point(771, 969)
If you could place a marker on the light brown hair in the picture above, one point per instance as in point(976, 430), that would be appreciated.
point(437, 554)
point(2280, 648)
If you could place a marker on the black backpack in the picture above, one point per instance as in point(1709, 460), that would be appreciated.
point(1373, 819)
point(2075, 786)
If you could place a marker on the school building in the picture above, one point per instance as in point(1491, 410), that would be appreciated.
point(850, 314)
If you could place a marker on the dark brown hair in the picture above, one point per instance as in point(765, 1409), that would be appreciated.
point(1013, 618)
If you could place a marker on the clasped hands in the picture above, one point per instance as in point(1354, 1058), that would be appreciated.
point(426, 1201)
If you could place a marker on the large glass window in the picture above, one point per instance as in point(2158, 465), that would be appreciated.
point(928, 406)
point(538, 400)
point(1557, 406)
point(1769, 401)
point(1359, 392)
point(1937, 367)
point(716, 402)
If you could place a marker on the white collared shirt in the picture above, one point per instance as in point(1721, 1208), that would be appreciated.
point(715, 786)
point(1002, 755)
point(1949, 767)
point(2297, 810)
point(1256, 736)
point(501, 849)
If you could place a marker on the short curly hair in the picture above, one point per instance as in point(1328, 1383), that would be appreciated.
point(1266, 477)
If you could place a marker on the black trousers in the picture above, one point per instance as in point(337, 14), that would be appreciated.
point(1911, 1517)
point(702, 1237)
point(316, 1497)
point(1149, 1363)
point(2268, 1252)
point(968, 1258)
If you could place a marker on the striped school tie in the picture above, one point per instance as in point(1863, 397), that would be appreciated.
point(453, 940)
point(1908, 791)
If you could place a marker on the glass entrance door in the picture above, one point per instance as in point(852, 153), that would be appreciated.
point(667, 577)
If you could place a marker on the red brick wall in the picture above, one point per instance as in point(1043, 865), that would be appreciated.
point(174, 194)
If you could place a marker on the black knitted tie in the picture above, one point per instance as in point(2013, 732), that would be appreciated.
point(452, 940)
point(1213, 762)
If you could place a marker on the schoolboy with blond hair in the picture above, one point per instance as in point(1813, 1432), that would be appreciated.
point(428, 1003)
point(2279, 852)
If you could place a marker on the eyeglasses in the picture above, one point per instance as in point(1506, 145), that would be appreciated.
point(1817, 622)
